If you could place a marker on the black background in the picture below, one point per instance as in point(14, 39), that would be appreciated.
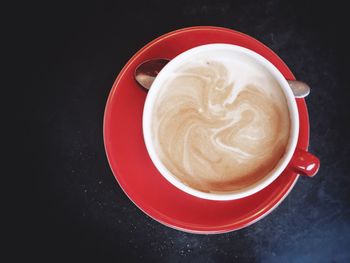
point(72, 52)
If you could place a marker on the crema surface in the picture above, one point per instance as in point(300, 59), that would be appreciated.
point(220, 125)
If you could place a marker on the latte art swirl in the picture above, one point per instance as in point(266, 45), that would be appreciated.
point(220, 128)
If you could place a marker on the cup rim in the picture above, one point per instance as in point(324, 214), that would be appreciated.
point(261, 184)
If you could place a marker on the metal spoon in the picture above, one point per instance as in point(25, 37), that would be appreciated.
point(147, 71)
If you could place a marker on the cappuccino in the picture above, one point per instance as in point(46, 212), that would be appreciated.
point(220, 124)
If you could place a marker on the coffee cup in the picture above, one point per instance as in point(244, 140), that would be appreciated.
point(220, 122)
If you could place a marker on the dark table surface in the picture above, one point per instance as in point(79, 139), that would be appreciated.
point(80, 213)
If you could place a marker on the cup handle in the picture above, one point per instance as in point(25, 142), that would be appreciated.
point(305, 163)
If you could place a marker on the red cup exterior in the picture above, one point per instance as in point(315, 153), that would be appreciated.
point(305, 163)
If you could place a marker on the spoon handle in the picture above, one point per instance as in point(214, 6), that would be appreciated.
point(300, 89)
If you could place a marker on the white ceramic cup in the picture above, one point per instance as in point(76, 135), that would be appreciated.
point(232, 51)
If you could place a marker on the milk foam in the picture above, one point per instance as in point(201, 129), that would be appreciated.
point(220, 124)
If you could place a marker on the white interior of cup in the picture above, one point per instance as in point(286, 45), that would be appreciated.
point(158, 84)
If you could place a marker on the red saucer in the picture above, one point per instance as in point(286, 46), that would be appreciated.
point(134, 170)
